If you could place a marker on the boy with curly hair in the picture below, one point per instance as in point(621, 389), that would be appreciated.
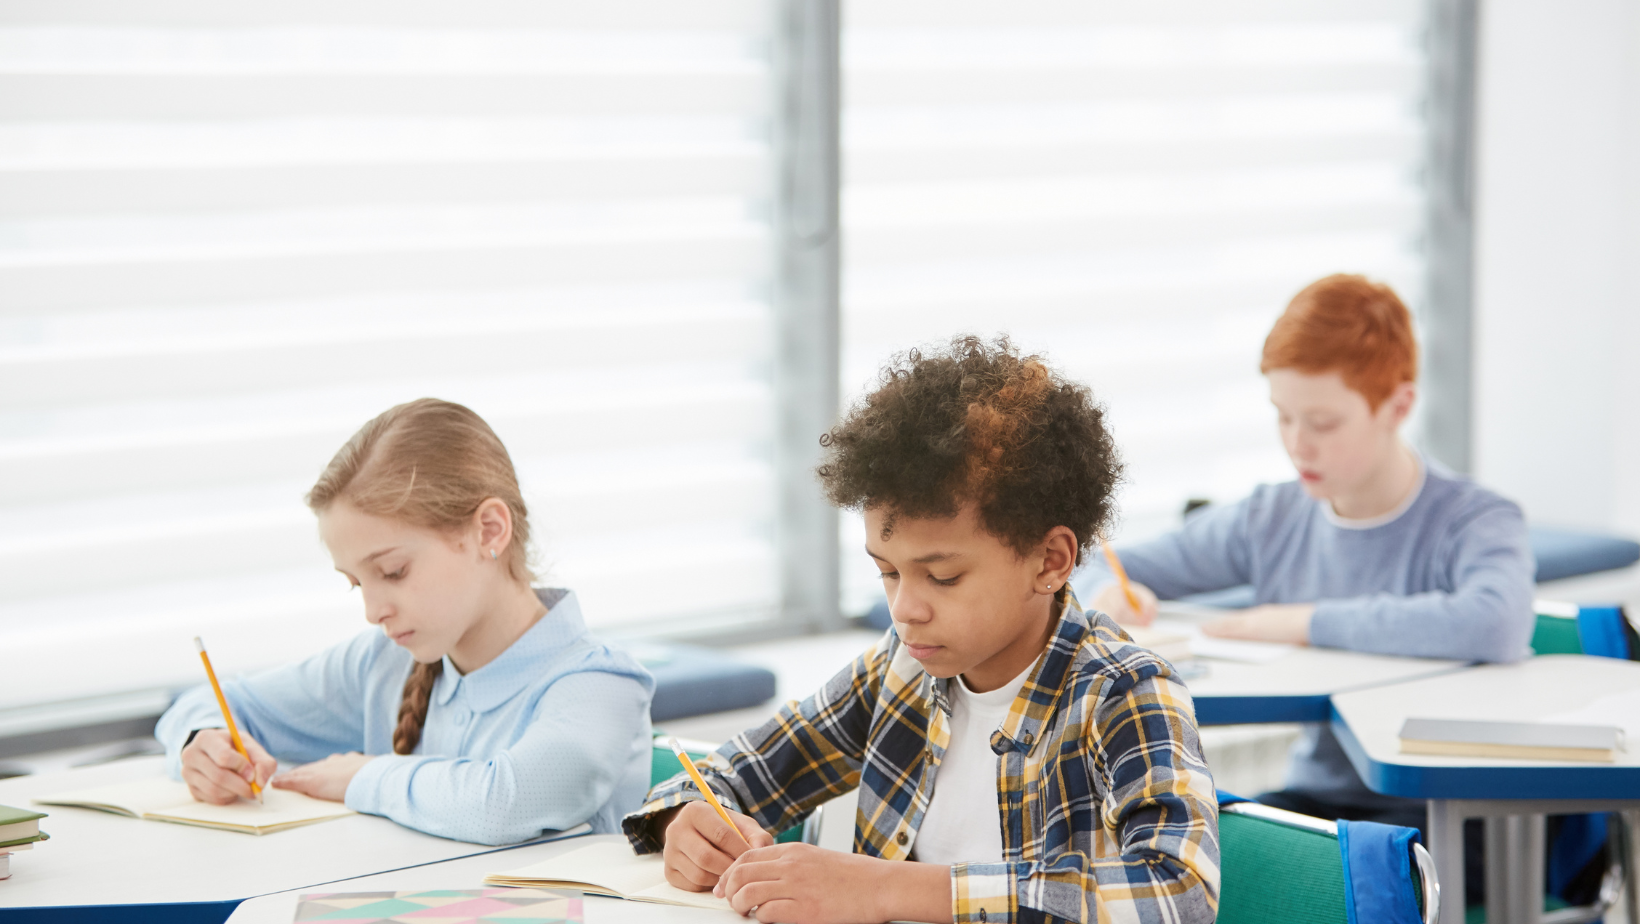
point(1018, 759)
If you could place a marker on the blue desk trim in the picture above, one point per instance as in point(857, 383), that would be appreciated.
point(158, 913)
point(1420, 782)
point(1259, 710)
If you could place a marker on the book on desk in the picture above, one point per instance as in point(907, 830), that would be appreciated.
point(164, 799)
point(1511, 740)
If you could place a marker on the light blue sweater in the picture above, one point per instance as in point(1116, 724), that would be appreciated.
point(552, 733)
point(1447, 576)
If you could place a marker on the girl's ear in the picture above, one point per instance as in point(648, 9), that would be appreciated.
point(495, 531)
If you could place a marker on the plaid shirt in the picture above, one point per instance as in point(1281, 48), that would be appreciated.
point(1106, 806)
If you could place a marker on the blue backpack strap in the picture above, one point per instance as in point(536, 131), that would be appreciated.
point(1600, 631)
point(1378, 873)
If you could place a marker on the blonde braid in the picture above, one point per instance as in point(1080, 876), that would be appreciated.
point(418, 694)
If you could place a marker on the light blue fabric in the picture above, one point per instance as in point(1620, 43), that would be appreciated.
point(1450, 577)
point(552, 733)
point(1378, 873)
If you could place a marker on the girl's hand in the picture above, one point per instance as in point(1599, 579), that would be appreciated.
point(216, 773)
point(1111, 601)
point(1272, 622)
point(699, 846)
point(803, 884)
point(324, 779)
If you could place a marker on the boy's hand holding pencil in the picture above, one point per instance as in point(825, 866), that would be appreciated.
point(703, 838)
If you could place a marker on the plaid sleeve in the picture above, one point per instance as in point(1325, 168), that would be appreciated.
point(1159, 801)
point(807, 754)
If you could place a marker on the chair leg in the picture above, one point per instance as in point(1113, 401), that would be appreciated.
point(1628, 824)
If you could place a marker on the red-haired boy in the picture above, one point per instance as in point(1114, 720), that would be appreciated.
point(1374, 548)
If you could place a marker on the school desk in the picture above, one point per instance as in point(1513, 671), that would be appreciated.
point(1512, 795)
point(469, 873)
point(1293, 687)
point(111, 868)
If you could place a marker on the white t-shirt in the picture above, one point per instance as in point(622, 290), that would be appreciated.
point(962, 824)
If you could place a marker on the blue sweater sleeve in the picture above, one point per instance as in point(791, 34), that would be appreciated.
point(1211, 552)
point(564, 767)
point(1487, 616)
point(298, 712)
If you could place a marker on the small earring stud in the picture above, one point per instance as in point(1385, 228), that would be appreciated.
point(493, 555)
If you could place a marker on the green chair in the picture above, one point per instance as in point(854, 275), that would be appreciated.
point(1281, 866)
point(663, 765)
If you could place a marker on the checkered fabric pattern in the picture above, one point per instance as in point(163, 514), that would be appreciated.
point(1107, 809)
point(464, 906)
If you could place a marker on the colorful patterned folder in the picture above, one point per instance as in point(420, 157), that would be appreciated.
point(463, 906)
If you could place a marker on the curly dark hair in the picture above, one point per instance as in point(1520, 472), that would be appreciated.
point(976, 422)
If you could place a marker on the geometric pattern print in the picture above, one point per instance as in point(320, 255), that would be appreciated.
point(1105, 805)
point(452, 906)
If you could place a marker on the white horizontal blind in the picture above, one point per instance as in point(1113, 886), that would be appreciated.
point(1134, 188)
point(231, 233)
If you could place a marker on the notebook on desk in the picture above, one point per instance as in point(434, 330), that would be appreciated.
point(610, 869)
point(1511, 740)
point(165, 799)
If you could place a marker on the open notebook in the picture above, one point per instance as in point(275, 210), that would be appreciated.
point(168, 800)
point(611, 869)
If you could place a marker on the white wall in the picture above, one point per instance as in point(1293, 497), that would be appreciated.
point(1558, 249)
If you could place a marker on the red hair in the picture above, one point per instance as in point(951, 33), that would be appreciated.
point(1349, 325)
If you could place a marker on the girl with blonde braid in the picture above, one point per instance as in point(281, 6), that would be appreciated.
point(481, 710)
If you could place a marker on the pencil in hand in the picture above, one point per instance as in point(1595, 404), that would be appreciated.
point(233, 729)
point(1121, 576)
point(706, 791)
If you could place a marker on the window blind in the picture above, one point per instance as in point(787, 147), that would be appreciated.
point(1133, 189)
point(232, 233)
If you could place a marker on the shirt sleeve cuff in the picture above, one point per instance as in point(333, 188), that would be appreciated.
point(983, 893)
point(364, 791)
point(1329, 625)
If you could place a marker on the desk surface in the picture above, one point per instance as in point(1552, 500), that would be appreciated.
point(98, 858)
point(1295, 687)
point(469, 873)
point(1368, 723)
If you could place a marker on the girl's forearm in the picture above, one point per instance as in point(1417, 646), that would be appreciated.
point(915, 892)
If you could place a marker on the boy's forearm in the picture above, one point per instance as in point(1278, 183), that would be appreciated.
point(914, 892)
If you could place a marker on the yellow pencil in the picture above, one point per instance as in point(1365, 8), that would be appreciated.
point(1121, 575)
point(705, 790)
point(233, 730)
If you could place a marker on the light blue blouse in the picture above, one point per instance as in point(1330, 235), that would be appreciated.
point(552, 733)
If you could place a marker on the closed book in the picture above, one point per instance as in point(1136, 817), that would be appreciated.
point(23, 843)
point(18, 823)
point(1511, 740)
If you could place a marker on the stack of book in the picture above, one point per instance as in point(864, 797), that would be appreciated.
point(19, 829)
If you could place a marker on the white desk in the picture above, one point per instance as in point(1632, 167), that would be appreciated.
point(469, 873)
point(1513, 795)
point(97, 858)
point(1296, 687)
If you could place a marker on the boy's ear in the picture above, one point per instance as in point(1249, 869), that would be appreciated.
point(1058, 559)
point(1400, 401)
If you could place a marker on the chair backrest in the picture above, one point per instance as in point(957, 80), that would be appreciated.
point(1565, 628)
point(663, 765)
point(1281, 866)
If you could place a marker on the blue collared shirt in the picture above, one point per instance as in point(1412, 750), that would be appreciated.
point(552, 733)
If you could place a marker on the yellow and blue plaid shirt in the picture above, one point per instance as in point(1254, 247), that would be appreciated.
point(1106, 805)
